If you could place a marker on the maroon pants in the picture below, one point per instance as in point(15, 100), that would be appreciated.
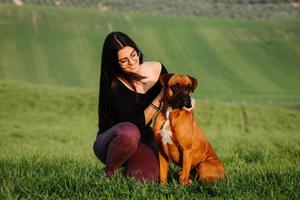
point(120, 146)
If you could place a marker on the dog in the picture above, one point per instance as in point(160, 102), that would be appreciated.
point(178, 136)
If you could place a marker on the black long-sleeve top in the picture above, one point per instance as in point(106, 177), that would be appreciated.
point(129, 106)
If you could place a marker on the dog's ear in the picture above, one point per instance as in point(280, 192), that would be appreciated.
point(164, 78)
point(194, 82)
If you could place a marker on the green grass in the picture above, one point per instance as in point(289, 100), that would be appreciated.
point(47, 134)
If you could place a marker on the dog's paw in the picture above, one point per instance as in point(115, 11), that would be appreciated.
point(184, 182)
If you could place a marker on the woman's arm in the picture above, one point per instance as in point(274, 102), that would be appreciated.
point(150, 111)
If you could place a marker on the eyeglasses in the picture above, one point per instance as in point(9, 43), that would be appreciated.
point(134, 56)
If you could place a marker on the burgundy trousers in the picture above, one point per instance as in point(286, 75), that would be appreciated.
point(120, 146)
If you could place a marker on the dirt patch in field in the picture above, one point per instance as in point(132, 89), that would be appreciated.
point(18, 2)
point(103, 6)
point(296, 5)
point(57, 2)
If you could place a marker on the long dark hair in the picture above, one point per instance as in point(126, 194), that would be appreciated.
point(110, 71)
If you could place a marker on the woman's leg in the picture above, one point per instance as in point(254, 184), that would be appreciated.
point(116, 145)
point(143, 164)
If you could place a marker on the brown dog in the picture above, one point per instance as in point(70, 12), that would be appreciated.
point(179, 137)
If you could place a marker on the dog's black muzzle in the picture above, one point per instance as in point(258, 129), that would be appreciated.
point(181, 100)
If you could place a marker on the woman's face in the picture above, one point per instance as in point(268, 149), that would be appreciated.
point(128, 59)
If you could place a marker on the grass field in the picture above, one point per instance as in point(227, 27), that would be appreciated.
point(247, 102)
point(46, 149)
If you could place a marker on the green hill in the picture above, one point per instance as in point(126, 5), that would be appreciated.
point(236, 60)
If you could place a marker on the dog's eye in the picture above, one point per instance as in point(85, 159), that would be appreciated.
point(175, 87)
point(189, 87)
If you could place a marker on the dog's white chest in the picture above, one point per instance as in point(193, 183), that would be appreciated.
point(166, 135)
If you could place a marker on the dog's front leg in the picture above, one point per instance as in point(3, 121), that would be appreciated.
point(164, 168)
point(186, 167)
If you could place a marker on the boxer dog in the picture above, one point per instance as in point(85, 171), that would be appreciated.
point(178, 136)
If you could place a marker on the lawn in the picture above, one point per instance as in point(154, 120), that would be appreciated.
point(46, 149)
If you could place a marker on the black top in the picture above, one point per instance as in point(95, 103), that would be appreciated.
point(129, 106)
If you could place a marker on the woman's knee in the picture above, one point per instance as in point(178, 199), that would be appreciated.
point(128, 133)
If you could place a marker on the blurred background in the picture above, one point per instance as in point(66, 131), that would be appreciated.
point(238, 49)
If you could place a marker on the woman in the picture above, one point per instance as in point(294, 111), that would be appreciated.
point(130, 95)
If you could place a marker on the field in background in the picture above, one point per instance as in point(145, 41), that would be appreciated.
point(247, 101)
point(234, 60)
